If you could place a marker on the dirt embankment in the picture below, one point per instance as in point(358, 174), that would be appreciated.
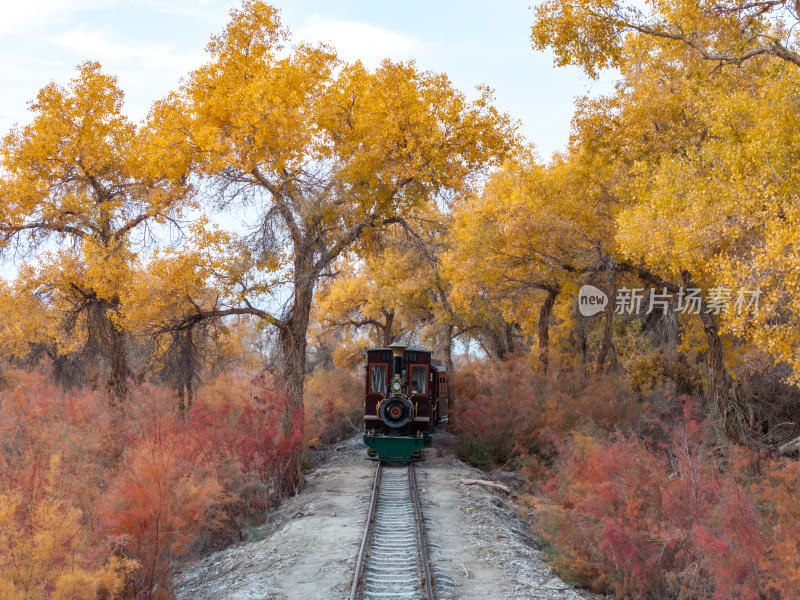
point(479, 545)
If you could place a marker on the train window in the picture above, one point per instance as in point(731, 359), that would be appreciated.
point(378, 379)
point(419, 380)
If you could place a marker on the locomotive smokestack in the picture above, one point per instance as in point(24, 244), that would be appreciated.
point(397, 352)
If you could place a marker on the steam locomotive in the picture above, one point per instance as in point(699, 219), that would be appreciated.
point(406, 391)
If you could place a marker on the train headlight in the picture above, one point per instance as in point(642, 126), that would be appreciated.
point(396, 386)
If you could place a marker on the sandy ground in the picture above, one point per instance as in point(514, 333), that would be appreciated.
point(479, 545)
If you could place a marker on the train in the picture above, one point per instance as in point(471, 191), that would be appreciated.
point(405, 398)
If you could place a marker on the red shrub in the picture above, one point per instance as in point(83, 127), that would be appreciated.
point(777, 495)
point(653, 522)
point(635, 498)
point(510, 410)
point(136, 487)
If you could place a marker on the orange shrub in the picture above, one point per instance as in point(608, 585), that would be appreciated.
point(334, 404)
point(53, 461)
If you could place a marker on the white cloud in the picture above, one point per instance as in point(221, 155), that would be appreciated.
point(29, 16)
point(25, 17)
point(90, 43)
point(363, 41)
point(215, 11)
point(146, 70)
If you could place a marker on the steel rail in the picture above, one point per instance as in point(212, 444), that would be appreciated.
point(367, 541)
point(423, 552)
point(362, 552)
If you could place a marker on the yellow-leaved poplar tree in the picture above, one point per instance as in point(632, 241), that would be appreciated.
point(82, 187)
point(701, 158)
point(323, 152)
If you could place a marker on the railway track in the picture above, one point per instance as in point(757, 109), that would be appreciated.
point(392, 562)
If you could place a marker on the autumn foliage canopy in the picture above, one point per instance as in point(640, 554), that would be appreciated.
point(164, 379)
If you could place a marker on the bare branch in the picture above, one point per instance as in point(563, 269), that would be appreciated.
point(774, 48)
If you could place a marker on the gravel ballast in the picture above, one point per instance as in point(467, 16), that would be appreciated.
point(479, 544)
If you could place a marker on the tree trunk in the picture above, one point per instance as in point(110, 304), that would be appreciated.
point(726, 404)
point(181, 399)
point(500, 342)
point(181, 368)
point(118, 376)
point(105, 341)
point(578, 338)
point(292, 340)
point(185, 395)
point(388, 335)
point(449, 336)
point(544, 327)
point(292, 334)
point(445, 349)
point(608, 351)
point(189, 394)
point(509, 338)
point(448, 364)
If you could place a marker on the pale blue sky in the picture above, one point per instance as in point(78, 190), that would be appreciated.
point(150, 44)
